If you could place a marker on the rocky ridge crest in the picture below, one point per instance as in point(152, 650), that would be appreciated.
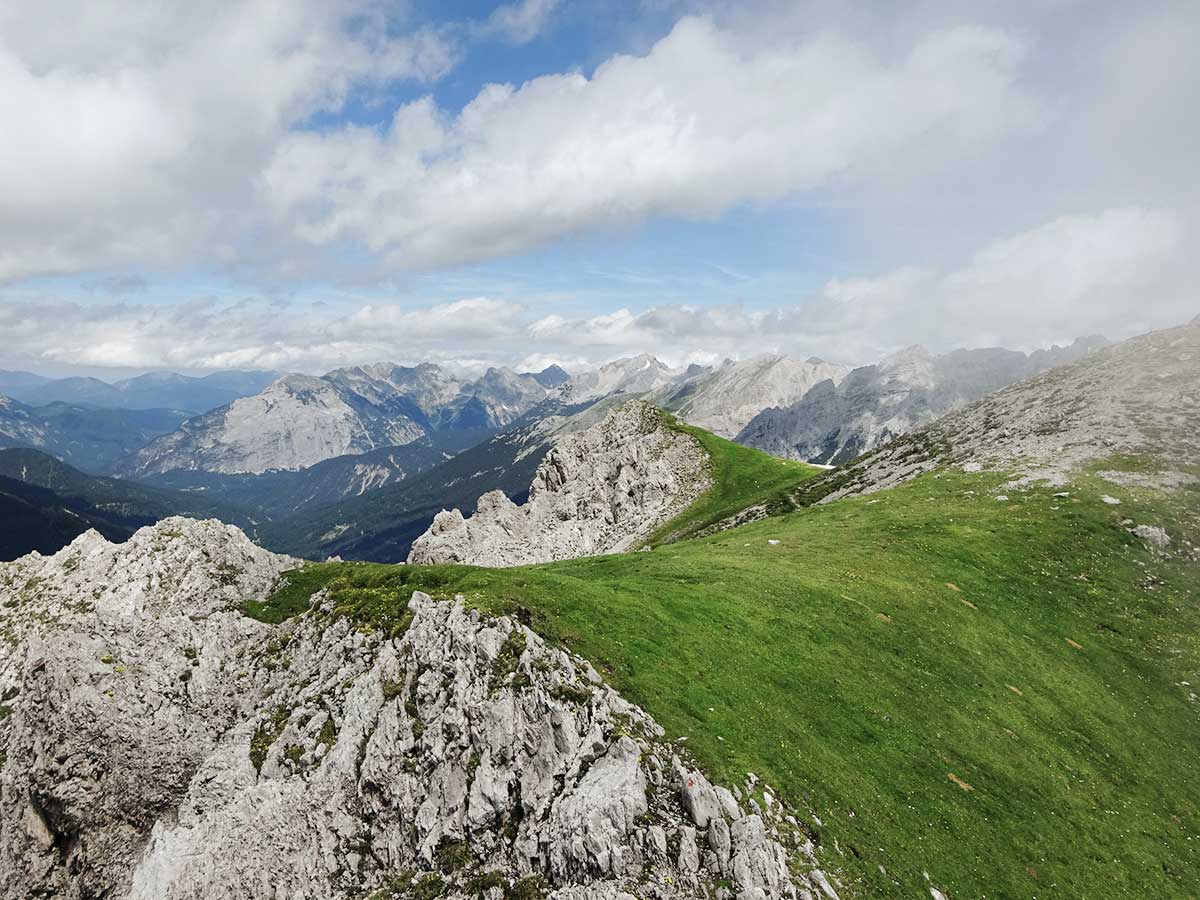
point(872, 405)
point(157, 743)
point(601, 490)
point(1140, 398)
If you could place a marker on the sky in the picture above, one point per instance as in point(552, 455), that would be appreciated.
point(306, 184)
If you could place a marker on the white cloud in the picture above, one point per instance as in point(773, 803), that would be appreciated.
point(160, 136)
point(134, 132)
point(475, 318)
point(206, 334)
point(520, 22)
point(1120, 272)
point(701, 123)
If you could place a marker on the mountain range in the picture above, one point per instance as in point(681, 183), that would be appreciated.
point(837, 419)
point(357, 463)
point(154, 390)
point(988, 624)
point(301, 420)
point(805, 409)
point(90, 438)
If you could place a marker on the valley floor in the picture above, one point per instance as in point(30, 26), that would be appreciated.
point(996, 698)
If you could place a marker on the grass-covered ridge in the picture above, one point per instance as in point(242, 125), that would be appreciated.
point(996, 692)
point(742, 477)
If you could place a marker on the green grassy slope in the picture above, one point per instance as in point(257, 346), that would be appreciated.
point(1032, 649)
point(741, 476)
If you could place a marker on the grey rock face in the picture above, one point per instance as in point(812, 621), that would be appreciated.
point(299, 420)
point(1139, 397)
point(598, 491)
point(634, 375)
point(1155, 537)
point(725, 399)
point(833, 423)
point(113, 663)
point(162, 745)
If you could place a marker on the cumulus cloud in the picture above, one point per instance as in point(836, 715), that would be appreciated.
point(207, 334)
point(1118, 272)
point(701, 123)
point(134, 132)
point(165, 136)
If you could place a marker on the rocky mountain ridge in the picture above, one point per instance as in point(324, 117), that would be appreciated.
point(301, 420)
point(836, 421)
point(601, 490)
point(158, 743)
point(1138, 399)
point(724, 400)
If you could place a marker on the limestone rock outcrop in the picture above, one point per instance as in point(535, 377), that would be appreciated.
point(158, 743)
point(602, 490)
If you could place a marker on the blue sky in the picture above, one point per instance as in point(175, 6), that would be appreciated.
point(573, 180)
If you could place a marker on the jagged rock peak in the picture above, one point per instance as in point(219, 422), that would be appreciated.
point(602, 490)
point(552, 376)
point(160, 744)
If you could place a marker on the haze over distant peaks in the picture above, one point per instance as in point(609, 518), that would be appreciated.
point(154, 390)
point(836, 421)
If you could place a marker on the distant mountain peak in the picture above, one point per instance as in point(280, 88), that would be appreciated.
point(906, 390)
point(301, 420)
point(907, 354)
point(725, 399)
point(551, 377)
